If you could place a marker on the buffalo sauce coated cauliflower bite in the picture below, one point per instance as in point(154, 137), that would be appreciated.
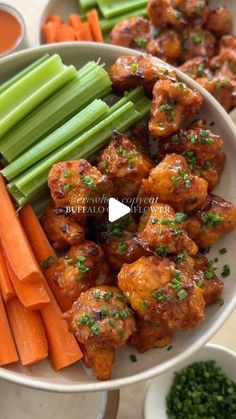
point(196, 67)
point(197, 42)
point(131, 33)
point(202, 150)
point(220, 21)
point(125, 163)
point(62, 230)
point(75, 183)
point(162, 231)
point(101, 322)
point(154, 287)
point(80, 269)
point(214, 218)
point(172, 104)
point(143, 70)
point(173, 183)
point(166, 46)
point(150, 334)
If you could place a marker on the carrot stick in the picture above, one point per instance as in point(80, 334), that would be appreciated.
point(56, 20)
point(43, 251)
point(86, 32)
point(8, 354)
point(32, 296)
point(74, 21)
point(14, 241)
point(27, 328)
point(49, 31)
point(5, 283)
point(94, 23)
point(65, 33)
point(63, 347)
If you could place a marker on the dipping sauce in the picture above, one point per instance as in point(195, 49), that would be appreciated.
point(10, 31)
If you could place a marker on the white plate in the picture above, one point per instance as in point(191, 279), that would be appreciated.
point(154, 362)
point(155, 401)
point(24, 403)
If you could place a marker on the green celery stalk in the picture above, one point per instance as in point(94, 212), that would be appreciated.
point(108, 24)
point(41, 203)
point(28, 93)
point(55, 111)
point(115, 8)
point(59, 137)
point(22, 73)
point(37, 175)
point(87, 4)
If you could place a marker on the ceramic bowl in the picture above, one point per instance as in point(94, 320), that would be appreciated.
point(159, 388)
point(76, 378)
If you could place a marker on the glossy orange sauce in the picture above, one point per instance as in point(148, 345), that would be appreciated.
point(10, 31)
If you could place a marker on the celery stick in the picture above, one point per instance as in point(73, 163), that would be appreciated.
point(24, 133)
point(61, 136)
point(113, 8)
point(22, 73)
point(41, 204)
point(87, 4)
point(107, 24)
point(37, 175)
point(57, 110)
point(28, 94)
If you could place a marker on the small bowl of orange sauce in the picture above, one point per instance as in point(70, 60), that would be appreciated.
point(12, 29)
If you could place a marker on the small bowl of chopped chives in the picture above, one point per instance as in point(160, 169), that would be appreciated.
point(203, 386)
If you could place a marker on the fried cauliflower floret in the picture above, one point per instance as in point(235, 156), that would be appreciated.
point(202, 150)
point(61, 230)
point(150, 334)
point(80, 269)
point(143, 70)
point(101, 322)
point(196, 68)
point(224, 64)
point(227, 42)
point(166, 46)
point(196, 11)
point(161, 230)
point(123, 161)
point(172, 104)
point(163, 13)
point(197, 42)
point(140, 136)
point(75, 183)
point(173, 183)
point(207, 279)
point(222, 88)
point(154, 286)
point(203, 273)
point(131, 33)
point(220, 21)
point(215, 218)
point(123, 249)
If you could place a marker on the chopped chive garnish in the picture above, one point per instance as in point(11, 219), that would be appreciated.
point(182, 294)
point(226, 271)
point(68, 188)
point(67, 173)
point(200, 283)
point(133, 358)
point(221, 301)
point(223, 251)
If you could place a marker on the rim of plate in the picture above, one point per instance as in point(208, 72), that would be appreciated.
point(49, 385)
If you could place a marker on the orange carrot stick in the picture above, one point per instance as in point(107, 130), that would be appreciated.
point(94, 23)
point(14, 241)
point(43, 251)
point(8, 354)
point(87, 34)
point(56, 20)
point(5, 283)
point(27, 328)
point(74, 21)
point(49, 31)
point(65, 33)
point(63, 347)
point(32, 296)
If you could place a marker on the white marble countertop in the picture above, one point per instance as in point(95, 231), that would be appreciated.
point(131, 400)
